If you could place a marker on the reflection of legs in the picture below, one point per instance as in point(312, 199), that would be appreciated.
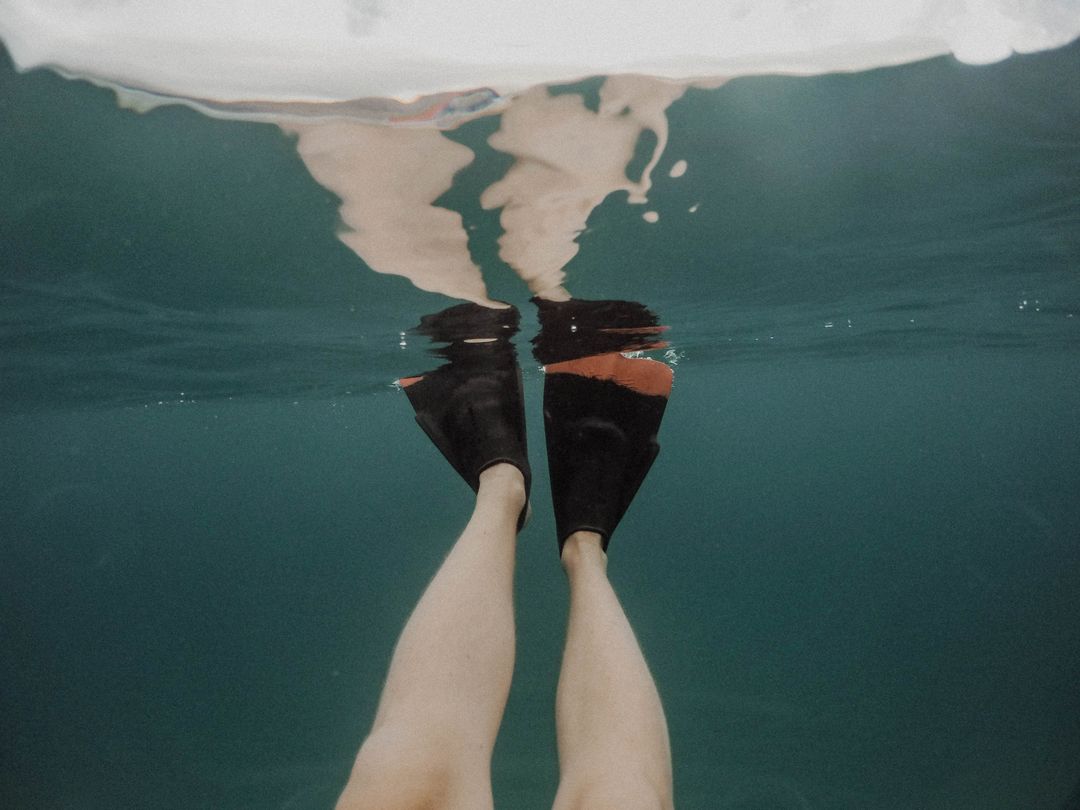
point(431, 742)
point(614, 752)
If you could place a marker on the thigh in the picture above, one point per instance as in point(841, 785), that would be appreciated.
point(393, 793)
point(388, 776)
point(610, 794)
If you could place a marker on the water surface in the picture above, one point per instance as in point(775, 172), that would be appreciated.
point(854, 568)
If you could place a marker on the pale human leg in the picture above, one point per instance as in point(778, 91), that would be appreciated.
point(431, 742)
point(614, 751)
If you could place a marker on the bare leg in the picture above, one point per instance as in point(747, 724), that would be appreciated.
point(431, 742)
point(614, 752)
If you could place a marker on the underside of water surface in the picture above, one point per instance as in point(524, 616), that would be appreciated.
point(854, 568)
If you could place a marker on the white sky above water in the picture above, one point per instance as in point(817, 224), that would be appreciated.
point(337, 49)
point(567, 158)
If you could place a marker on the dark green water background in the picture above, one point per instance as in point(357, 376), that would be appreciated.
point(855, 568)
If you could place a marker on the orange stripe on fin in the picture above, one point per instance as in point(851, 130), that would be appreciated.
point(646, 376)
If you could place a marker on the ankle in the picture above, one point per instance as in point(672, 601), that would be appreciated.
point(583, 550)
point(504, 481)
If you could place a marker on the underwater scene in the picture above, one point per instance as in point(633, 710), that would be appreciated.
point(853, 568)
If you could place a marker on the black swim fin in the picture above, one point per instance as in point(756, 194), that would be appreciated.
point(601, 443)
point(602, 410)
point(473, 408)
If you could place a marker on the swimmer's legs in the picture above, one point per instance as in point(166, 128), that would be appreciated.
point(614, 752)
point(431, 743)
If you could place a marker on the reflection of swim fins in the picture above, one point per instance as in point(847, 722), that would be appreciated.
point(579, 327)
point(601, 417)
point(465, 322)
point(472, 408)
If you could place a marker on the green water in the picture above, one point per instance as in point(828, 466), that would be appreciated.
point(854, 569)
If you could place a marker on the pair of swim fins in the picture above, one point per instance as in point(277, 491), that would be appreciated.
point(602, 410)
